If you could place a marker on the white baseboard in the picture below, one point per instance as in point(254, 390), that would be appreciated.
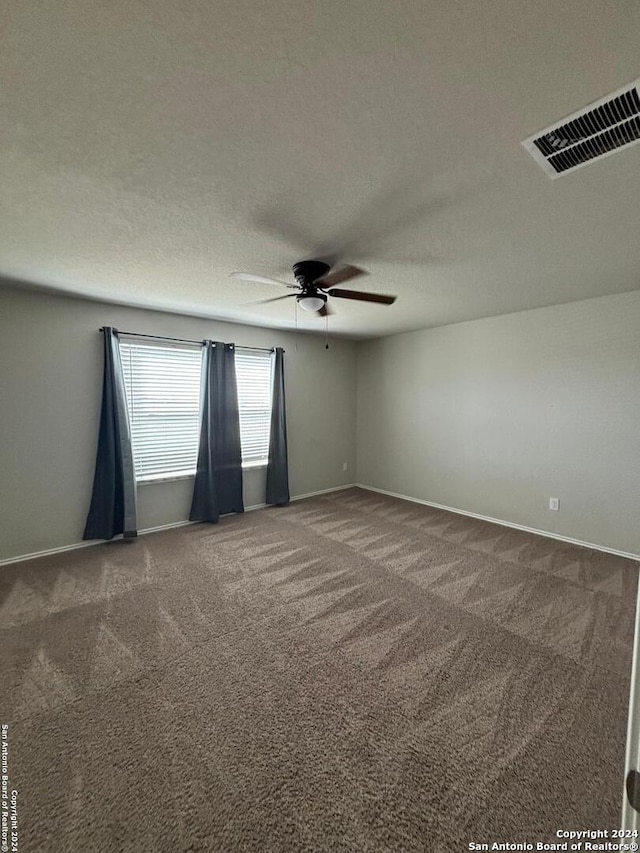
point(324, 492)
point(503, 523)
point(308, 495)
point(48, 551)
point(162, 527)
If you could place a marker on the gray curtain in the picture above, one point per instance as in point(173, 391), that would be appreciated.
point(278, 467)
point(218, 485)
point(113, 501)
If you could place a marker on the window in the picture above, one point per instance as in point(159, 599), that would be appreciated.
point(253, 375)
point(162, 384)
point(163, 395)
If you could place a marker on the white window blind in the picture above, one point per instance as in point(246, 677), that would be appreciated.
point(162, 384)
point(253, 377)
point(163, 394)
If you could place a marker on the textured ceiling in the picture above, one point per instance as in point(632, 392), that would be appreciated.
point(151, 147)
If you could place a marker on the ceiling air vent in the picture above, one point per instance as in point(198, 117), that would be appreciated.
point(590, 134)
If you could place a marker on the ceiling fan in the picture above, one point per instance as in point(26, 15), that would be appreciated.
point(315, 282)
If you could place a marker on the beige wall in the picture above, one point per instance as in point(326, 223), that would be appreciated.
point(50, 384)
point(495, 416)
point(492, 416)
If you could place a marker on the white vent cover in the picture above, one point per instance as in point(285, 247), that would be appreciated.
point(589, 134)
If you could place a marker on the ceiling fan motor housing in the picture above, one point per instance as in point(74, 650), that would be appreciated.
point(308, 272)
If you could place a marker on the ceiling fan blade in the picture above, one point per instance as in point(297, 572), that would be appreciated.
point(273, 299)
point(279, 224)
point(337, 276)
point(325, 311)
point(364, 297)
point(247, 276)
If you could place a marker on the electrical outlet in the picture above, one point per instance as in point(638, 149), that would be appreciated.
point(554, 504)
point(345, 466)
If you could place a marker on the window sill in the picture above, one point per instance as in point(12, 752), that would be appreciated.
point(172, 478)
point(163, 478)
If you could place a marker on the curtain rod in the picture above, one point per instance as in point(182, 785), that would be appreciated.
point(183, 340)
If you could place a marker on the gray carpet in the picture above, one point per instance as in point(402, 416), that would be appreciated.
point(352, 672)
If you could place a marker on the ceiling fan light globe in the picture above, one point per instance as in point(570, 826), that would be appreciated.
point(313, 302)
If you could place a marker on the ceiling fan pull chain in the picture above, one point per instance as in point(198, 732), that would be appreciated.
point(326, 331)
